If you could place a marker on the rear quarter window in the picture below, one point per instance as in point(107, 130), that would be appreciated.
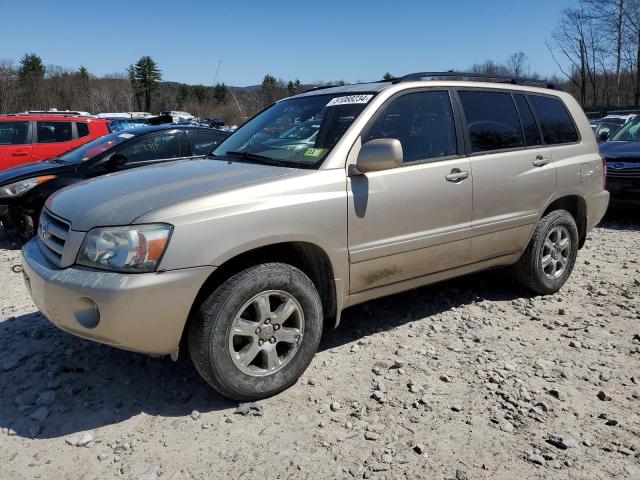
point(554, 119)
point(83, 129)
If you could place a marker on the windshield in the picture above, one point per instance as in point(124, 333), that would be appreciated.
point(629, 133)
point(96, 147)
point(299, 132)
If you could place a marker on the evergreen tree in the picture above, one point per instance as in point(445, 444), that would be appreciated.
point(146, 75)
point(220, 92)
point(30, 77)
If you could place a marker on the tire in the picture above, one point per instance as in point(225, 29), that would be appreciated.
point(223, 359)
point(548, 279)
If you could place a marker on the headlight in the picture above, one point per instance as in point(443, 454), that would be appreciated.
point(136, 248)
point(18, 188)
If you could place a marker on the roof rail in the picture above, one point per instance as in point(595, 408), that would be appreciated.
point(476, 76)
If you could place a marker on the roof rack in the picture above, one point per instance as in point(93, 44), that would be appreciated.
point(476, 76)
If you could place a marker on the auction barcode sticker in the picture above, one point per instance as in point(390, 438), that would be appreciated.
point(349, 99)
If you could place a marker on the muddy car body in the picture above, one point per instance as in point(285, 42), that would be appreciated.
point(247, 253)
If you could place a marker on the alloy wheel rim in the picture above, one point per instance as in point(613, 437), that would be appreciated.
point(266, 333)
point(555, 253)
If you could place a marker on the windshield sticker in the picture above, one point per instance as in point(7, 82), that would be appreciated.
point(126, 135)
point(314, 152)
point(349, 99)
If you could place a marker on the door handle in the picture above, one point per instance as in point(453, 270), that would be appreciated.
point(457, 175)
point(19, 153)
point(540, 161)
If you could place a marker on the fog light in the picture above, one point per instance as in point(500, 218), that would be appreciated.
point(86, 313)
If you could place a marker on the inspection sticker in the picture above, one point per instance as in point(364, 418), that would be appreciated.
point(314, 152)
point(349, 99)
point(126, 135)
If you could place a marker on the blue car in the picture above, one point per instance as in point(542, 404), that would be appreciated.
point(622, 154)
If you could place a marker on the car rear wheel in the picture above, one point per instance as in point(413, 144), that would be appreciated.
point(551, 254)
point(257, 332)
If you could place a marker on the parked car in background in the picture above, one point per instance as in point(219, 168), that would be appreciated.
point(622, 154)
point(211, 122)
point(23, 190)
point(180, 117)
point(29, 138)
point(119, 124)
point(245, 255)
point(604, 130)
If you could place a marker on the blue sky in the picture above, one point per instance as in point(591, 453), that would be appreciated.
point(309, 40)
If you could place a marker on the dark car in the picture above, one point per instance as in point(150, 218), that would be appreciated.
point(23, 190)
point(622, 154)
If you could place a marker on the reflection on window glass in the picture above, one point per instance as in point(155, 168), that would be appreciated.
point(13, 133)
point(298, 132)
point(554, 119)
point(54, 132)
point(423, 122)
point(492, 120)
point(153, 147)
point(203, 143)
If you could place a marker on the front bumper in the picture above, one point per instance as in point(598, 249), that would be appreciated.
point(143, 312)
point(624, 190)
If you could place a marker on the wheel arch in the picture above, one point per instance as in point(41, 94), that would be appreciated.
point(577, 207)
point(310, 258)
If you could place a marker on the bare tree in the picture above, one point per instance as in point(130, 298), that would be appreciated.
point(518, 64)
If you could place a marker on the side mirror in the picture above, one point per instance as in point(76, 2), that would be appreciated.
point(379, 154)
point(603, 136)
point(117, 160)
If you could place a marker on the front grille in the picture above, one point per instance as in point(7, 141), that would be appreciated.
point(623, 172)
point(52, 235)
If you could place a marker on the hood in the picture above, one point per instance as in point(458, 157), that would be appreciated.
point(23, 172)
point(120, 198)
point(620, 150)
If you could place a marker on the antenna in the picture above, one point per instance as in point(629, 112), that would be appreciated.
point(215, 77)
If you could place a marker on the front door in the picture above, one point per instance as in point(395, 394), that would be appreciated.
point(414, 220)
point(15, 144)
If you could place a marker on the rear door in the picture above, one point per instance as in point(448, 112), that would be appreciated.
point(414, 220)
point(52, 138)
point(513, 175)
point(15, 143)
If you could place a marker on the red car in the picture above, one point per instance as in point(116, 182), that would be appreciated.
point(29, 138)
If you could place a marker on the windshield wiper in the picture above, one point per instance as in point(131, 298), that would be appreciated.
point(258, 158)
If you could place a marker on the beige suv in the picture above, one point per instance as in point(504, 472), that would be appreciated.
point(379, 188)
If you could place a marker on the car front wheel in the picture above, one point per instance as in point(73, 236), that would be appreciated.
point(257, 332)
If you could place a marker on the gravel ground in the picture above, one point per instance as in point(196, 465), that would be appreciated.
point(471, 378)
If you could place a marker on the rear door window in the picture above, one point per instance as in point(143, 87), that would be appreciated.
point(83, 129)
point(555, 121)
point(203, 143)
point(14, 133)
point(54, 132)
point(529, 125)
point(422, 121)
point(492, 120)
